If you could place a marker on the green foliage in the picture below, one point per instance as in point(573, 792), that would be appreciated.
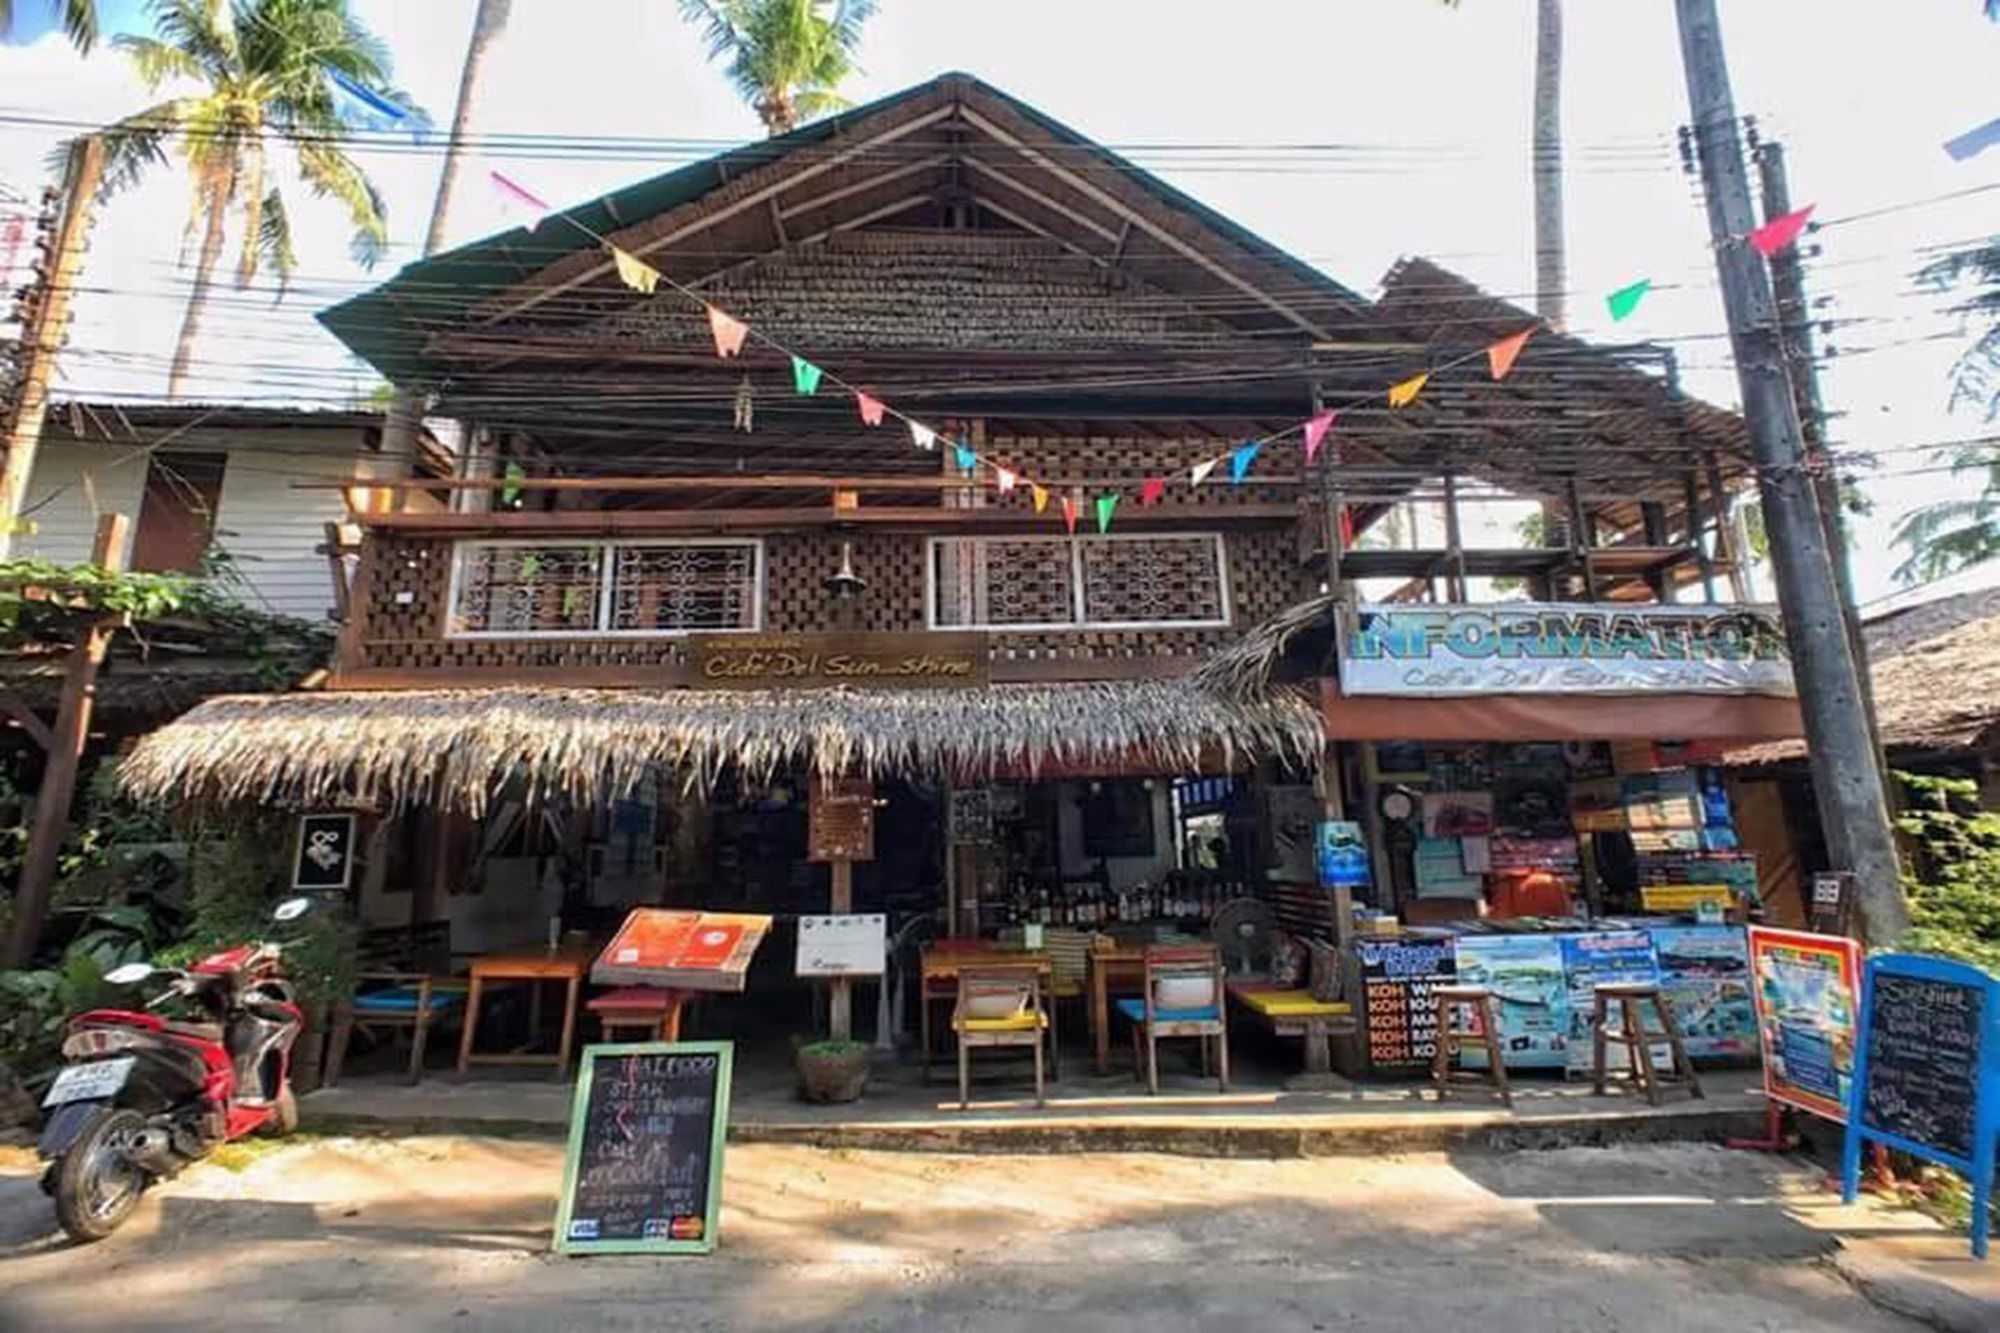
point(39, 601)
point(1948, 535)
point(78, 17)
point(786, 57)
point(1954, 884)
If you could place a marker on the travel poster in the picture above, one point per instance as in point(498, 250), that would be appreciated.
point(1342, 855)
point(1806, 991)
point(1597, 959)
point(1705, 976)
point(1525, 973)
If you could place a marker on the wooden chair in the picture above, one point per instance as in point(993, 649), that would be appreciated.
point(1455, 1002)
point(1180, 966)
point(999, 1006)
point(403, 981)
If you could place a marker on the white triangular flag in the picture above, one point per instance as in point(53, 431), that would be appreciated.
point(1199, 472)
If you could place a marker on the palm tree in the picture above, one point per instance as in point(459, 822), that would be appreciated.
point(1947, 535)
point(487, 25)
point(1551, 254)
point(787, 57)
point(264, 70)
point(79, 20)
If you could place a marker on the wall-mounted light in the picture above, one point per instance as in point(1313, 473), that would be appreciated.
point(844, 583)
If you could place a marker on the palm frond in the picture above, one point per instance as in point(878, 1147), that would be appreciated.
point(138, 142)
point(722, 21)
point(332, 174)
point(156, 62)
point(250, 188)
point(274, 237)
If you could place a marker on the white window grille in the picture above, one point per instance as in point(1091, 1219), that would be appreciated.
point(1113, 581)
point(633, 589)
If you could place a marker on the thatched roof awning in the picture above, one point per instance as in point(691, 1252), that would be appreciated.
point(458, 747)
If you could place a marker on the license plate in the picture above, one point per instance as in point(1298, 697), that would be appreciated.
point(83, 1083)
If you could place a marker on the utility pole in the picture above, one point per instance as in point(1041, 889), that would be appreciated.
point(44, 330)
point(1847, 780)
point(1788, 285)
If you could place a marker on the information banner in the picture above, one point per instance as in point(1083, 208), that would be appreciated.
point(1705, 976)
point(1525, 973)
point(1603, 959)
point(1548, 648)
point(1397, 981)
point(643, 1171)
point(1807, 991)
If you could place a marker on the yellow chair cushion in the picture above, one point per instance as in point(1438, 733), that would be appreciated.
point(1291, 1004)
point(1024, 1022)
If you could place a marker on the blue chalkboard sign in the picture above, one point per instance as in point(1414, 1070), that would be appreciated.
point(1927, 1074)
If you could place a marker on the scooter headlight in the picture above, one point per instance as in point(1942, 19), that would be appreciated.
point(92, 1042)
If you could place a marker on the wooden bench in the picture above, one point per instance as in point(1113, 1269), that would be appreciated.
point(1293, 1012)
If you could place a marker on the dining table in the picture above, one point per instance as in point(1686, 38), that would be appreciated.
point(1109, 965)
point(943, 960)
point(567, 964)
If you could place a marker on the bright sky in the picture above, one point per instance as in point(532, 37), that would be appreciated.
point(1434, 104)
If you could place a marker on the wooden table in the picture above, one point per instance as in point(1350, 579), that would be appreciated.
point(1125, 965)
point(533, 968)
point(942, 963)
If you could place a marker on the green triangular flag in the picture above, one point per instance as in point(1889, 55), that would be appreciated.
point(1106, 506)
point(1626, 299)
point(511, 492)
point(805, 375)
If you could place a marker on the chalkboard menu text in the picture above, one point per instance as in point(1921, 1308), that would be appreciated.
point(643, 1172)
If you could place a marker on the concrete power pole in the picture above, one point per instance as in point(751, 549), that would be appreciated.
point(1847, 780)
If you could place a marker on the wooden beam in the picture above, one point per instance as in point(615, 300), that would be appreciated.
point(26, 718)
point(926, 518)
point(1004, 669)
point(1064, 210)
point(812, 481)
point(789, 211)
point(64, 748)
point(336, 567)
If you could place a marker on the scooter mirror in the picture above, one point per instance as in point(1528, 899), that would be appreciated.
point(129, 974)
point(291, 909)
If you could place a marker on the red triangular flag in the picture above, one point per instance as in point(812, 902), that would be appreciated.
point(871, 409)
point(729, 332)
point(1316, 430)
point(1069, 514)
point(1780, 232)
point(1152, 490)
point(1501, 355)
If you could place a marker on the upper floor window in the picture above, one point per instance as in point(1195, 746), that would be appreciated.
point(516, 588)
point(1116, 581)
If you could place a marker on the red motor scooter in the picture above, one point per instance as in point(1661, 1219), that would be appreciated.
point(144, 1095)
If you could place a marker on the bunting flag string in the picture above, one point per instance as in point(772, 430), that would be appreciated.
point(1780, 232)
point(1626, 299)
point(729, 332)
point(1500, 357)
point(732, 334)
point(515, 199)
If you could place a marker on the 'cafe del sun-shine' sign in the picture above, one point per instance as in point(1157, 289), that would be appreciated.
point(808, 661)
point(1550, 648)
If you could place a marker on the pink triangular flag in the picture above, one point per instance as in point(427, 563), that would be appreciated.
point(1316, 430)
point(1500, 357)
point(1780, 232)
point(518, 200)
point(1152, 490)
point(1003, 480)
point(871, 409)
point(1199, 472)
point(1069, 513)
point(729, 332)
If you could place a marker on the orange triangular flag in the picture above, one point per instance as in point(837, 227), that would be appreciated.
point(1069, 513)
point(729, 332)
point(1041, 497)
point(1500, 356)
point(871, 409)
point(1402, 395)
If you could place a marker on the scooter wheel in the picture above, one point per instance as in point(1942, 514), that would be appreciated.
point(97, 1186)
point(284, 1115)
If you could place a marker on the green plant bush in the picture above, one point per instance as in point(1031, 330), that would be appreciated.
point(1954, 880)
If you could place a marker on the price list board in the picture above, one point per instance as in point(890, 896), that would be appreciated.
point(1398, 980)
point(643, 1172)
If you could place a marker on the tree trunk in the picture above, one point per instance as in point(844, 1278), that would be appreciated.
point(487, 24)
point(216, 200)
point(1551, 276)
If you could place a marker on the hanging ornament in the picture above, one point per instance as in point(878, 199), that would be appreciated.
point(746, 405)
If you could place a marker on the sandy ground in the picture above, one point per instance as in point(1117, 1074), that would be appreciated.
point(453, 1232)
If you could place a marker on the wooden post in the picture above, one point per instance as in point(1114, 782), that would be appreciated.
point(42, 338)
point(1580, 539)
point(1454, 542)
point(65, 752)
point(840, 1003)
point(1702, 560)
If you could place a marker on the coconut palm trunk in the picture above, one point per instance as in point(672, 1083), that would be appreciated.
point(1551, 258)
point(215, 203)
point(487, 25)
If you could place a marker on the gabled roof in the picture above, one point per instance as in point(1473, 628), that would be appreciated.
point(953, 142)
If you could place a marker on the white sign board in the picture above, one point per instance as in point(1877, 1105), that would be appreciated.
point(1556, 648)
point(842, 946)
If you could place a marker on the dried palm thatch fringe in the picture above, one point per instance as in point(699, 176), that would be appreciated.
point(1244, 671)
point(457, 748)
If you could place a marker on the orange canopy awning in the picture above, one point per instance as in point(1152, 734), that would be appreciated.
point(1559, 717)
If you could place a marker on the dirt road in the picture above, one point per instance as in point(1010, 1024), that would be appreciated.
point(452, 1233)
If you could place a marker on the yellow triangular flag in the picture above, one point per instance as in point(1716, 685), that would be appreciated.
point(1041, 497)
point(1402, 395)
point(637, 273)
point(1199, 472)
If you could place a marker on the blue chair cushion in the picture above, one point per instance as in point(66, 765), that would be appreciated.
point(403, 1000)
point(1135, 1009)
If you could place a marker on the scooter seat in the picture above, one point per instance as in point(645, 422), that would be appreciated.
point(198, 1031)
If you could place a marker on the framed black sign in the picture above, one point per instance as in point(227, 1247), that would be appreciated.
point(326, 852)
point(643, 1174)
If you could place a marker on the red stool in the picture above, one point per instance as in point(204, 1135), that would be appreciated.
point(653, 1013)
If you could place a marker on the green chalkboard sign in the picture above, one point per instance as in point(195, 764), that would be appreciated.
point(643, 1174)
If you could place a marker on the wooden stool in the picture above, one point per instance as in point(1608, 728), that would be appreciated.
point(1453, 1039)
point(654, 1014)
point(1631, 997)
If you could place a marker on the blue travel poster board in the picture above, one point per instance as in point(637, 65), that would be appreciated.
point(1927, 1072)
point(1600, 959)
point(1705, 975)
point(1525, 972)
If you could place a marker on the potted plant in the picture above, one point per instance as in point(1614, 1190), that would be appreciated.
point(832, 1070)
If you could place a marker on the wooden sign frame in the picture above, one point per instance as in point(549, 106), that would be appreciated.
point(1986, 1088)
point(579, 1123)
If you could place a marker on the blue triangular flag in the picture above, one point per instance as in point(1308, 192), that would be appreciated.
point(1240, 461)
point(1973, 141)
point(361, 107)
point(967, 460)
